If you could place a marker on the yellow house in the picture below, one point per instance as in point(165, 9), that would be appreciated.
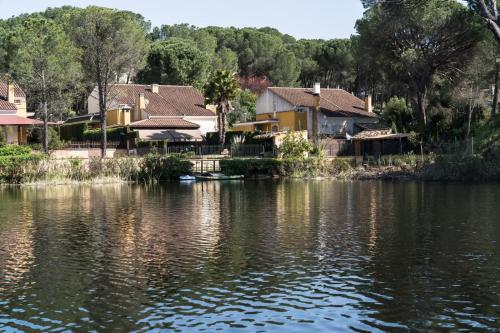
point(14, 121)
point(282, 109)
point(156, 112)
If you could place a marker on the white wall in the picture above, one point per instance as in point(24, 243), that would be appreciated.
point(207, 124)
point(269, 102)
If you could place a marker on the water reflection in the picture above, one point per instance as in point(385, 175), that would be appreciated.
point(254, 256)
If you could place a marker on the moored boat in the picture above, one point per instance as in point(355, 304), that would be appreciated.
point(219, 176)
point(187, 178)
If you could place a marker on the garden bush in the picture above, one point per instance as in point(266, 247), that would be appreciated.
point(15, 150)
point(155, 168)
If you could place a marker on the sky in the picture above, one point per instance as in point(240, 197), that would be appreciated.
point(302, 19)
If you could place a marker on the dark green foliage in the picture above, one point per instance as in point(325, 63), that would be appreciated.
point(114, 134)
point(177, 62)
point(212, 138)
point(73, 132)
point(36, 137)
point(458, 167)
point(244, 108)
point(310, 167)
point(155, 168)
point(251, 167)
point(20, 168)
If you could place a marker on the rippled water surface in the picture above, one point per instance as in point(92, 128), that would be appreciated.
point(318, 256)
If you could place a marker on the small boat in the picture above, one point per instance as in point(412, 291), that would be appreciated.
point(218, 176)
point(187, 178)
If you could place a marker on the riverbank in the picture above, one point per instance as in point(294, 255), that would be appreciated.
point(36, 169)
point(430, 167)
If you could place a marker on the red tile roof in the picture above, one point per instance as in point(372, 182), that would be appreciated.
point(169, 101)
point(164, 123)
point(18, 92)
point(6, 106)
point(334, 102)
point(18, 120)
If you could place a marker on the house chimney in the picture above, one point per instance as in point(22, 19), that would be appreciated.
point(10, 92)
point(317, 89)
point(155, 88)
point(140, 105)
point(368, 103)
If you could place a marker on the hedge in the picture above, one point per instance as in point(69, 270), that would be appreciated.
point(310, 167)
point(73, 132)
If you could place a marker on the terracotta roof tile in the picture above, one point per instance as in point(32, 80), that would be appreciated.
point(164, 123)
point(4, 106)
point(18, 92)
point(18, 120)
point(169, 101)
point(334, 102)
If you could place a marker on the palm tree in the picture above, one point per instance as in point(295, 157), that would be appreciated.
point(221, 88)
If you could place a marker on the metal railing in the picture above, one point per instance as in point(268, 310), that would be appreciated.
point(207, 150)
point(89, 145)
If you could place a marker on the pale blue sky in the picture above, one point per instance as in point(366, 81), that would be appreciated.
point(299, 18)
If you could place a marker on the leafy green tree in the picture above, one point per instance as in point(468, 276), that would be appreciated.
point(204, 41)
point(46, 65)
point(225, 60)
point(416, 44)
point(112, 42)
point(488, 10)
point(175, 61)
point(398, 114)
point(244, 107)
point(220, 90)
point(285, 70)
point(295, 146)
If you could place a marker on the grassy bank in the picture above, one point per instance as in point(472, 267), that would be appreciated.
point(430, 167)
point(20, 165)
point(37, 168)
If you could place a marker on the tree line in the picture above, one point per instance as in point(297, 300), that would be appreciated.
point(431, 65)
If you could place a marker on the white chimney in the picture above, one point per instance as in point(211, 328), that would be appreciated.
point(317, 89)
point(11, 92)
point(155, 88)
point(368, 103)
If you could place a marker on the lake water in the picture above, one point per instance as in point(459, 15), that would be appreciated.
point(291, 256)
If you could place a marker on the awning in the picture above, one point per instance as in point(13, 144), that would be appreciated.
point(380, 137)
point(171, 135)
point(12, 119)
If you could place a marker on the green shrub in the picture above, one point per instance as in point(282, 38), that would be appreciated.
point(212, 138)
point(295, 146)
point(251, 167)
point(155, 168)
point(3, 142)
point(20, 168)
point(73, 132)
point(113, 134)
point(310, 167)
point(15, 150)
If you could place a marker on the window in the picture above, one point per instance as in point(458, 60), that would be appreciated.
point(17, 101)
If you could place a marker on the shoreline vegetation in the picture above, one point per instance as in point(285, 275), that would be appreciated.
point(38, 169)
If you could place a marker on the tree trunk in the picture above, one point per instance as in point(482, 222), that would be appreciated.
point(45, 115)
point(45, 128)
point(220, 124)
point(104, 136)
point(494, 107)
point(422, 112)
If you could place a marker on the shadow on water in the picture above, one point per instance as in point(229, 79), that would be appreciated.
point(251, 256)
